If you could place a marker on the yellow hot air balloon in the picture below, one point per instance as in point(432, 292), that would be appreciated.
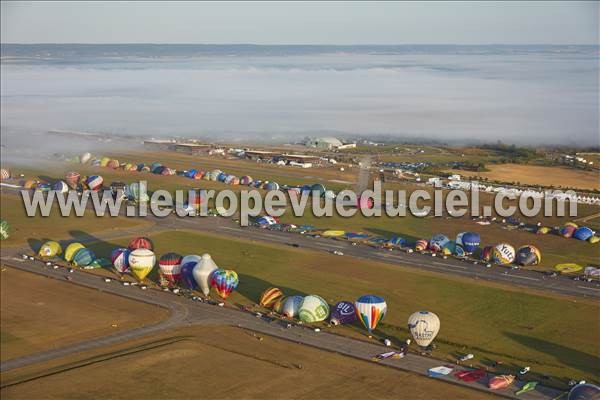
point(141, 262)
point(50, 249)
point(71, 250)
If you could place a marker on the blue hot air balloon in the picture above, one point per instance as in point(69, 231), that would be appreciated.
point(583, 233)
point(343, 312)
point(187, 267)
point(469, 241)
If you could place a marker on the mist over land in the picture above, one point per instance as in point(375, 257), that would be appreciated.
point(517, 94)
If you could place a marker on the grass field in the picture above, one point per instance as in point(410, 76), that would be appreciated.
point(544, 176)
point(491, 321)
point(224, 362)
point(38, 313)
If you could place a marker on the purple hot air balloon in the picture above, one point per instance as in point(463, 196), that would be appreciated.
point(187, 266)
point(343, 313)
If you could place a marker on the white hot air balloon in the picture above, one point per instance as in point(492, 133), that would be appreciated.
point(203, 271)
point(424, 327)
point(291, 305)
point(85, 157)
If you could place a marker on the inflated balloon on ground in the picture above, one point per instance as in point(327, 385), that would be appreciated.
point(370, 310)
point(141, 262)
point(50, 249)
point(203, 271)
point(313, 309)
point(224, 281)
point(120, 259)
point(170, 266)
point(269, 297)
point(424, 327)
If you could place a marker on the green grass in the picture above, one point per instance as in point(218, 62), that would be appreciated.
point(554, 336)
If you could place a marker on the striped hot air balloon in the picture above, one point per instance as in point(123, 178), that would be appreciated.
point(120, 259)
point(370, 310)
point(94, 182)
point(421, 245)
point(72, 178)
point(170, 266)
point(141, 242)
point(269, 297)
point(83, 257)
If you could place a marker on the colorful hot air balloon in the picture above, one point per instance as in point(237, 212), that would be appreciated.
point(4, 229)
point(528, 255)
point(370, 310)
point(343, 312)
point(4, 174)
point(224, 281)
point(503, 254)
point(486, 253)
point(424, 327)
point(141, 262)
point(291, 306)
point(269, 297)
point(421, 245)
point(71, 250)
point(469, 241)
point(203, 271)
point(50, 249)
point(438, 242)
point(141, 243)
point(104, 161)
point(60, 187)
point(245, 180)
point(188, 263)
point(94, 182)
point(72, 178)
point(568, 230)
point(83, 257)
point(583, 233)
point(120, 259)
point(313, 309)
point(170, 266)
point(114, 164)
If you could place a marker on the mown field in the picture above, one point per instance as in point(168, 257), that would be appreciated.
point(221, 362)
point(558, 177)
point(494, 322)
point(38, 313)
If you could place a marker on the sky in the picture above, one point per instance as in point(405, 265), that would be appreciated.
point(510, 22)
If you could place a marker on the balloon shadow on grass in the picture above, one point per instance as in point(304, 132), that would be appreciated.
point(388, 234)
point(252, 287)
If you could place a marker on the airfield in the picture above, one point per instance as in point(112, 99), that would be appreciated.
point(495, 313)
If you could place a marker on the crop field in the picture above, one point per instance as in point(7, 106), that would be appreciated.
point(558, 177)
point(38, 313)
point(55, 226)
point(221, 362)
point(520, 328)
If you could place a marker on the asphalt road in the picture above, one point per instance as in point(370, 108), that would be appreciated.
point(185, 311)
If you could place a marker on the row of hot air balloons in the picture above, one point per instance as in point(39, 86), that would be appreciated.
point(75, 253)
point(572, 230)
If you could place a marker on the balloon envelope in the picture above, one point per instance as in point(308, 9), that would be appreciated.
point(141, 243)
point(170, 266)
point(503, 253)
point(313, 309)
point(120, 259)
point(50, 249)
point(343, 312)
point(224, 281)
point(583, 233)
point(438, 242)
point(4, 229)
point(421, 245)
point(291, 306)
point(269, 297)
point(469, 241)
point(424, 327)
point(370, 310)
point(528, 255)
point(584, 391)
point(141, 262)
point(188, 263)
point(202, 273)
point(83, 257)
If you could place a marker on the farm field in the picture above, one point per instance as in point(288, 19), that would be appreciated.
point(558, 177)
point(38, 313)
point(237, 363)
point(520, 328)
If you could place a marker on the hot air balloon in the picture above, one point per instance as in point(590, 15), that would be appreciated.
point(120, 259)
point(486, 253)
point(141, 243)
point(224, 281)
point(95, 162)
point(85, 157)
point(188, 263)
point(271, 186)
point(370, 310)
point(72, 178)
point(269, 297)
point(60, 187)
point(50, 249)
point(313, 309)
point(584, 391)
point(245, 180)
point(469, 241)
point(421, 245)
point(583, 233)
point(134, 192)
point(104, 161)
point(114, 164)
point(71, 250)
point(503, 254)
point(528, 255)
point(83, 257)
point(424, 327)
point(170, 266)
point(438, 242)
point(501, 382)
point(291, 306)
point(203, 271)
point(278, 306)
point(4, 229)
point(4, 174)
point(568, 230)
point(317, 190)
point(141, 262)
point(343, 312)
point(94, 182)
